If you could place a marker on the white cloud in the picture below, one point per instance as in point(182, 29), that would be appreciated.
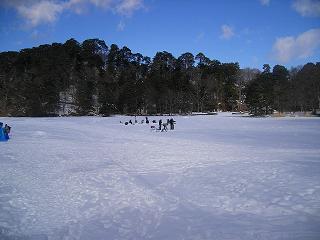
point(36, 12)
point(77, 6)
point(227, 32)
point(309, 8)
point(41, 12)
point(289, 48)
point(265, 2)
point(102, 3)
point(127, 7)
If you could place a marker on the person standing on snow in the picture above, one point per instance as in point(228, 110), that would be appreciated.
point(160, 123)
point(2, 138)
point(6, 130)
point(164, 127)
point(172, 122)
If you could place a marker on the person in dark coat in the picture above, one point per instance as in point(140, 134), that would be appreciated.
point(164, 129)
point(160, 124)
point(172, 122)
point(147, 120)
point(7, 129)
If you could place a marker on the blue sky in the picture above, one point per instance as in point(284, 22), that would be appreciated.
point(251, 32)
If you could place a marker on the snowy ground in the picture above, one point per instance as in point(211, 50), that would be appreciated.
point(213, 177)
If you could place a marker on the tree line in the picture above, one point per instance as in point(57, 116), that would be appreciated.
point(92, 78)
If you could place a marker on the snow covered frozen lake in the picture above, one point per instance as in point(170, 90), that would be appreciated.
point(213, 177)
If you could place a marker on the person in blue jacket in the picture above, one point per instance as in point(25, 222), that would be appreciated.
point(2, 137)
point(4, 132)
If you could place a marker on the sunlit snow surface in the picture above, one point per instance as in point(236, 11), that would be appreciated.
point(213, 177)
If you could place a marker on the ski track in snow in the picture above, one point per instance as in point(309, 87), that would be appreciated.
point(213, 177)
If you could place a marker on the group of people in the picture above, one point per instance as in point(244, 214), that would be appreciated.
point(4, 132)
point(163, 126)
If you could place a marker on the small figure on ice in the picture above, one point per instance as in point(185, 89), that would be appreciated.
point(4, 132)
point(165, 128)
point(160, 124)
point(172, 122)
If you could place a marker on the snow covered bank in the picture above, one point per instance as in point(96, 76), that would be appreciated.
point(214, 177)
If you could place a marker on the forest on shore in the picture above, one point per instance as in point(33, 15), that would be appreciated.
point(91, 78)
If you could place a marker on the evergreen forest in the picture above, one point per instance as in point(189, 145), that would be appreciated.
point(91, 78)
